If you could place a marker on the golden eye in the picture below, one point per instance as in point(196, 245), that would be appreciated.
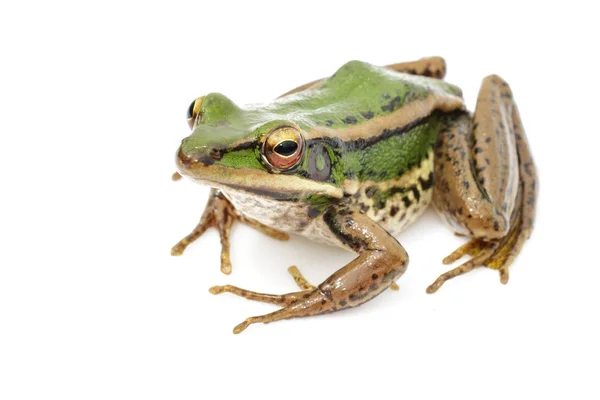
point(283, 147)
point(193, 111)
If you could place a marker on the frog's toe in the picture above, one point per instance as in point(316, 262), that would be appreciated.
point(503, 275)
point(497, 254)
point(239, 328)
point(300, 279)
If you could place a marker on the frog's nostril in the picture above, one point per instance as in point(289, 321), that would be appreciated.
point(203, 155)
point(215, 154)
point(187, 159)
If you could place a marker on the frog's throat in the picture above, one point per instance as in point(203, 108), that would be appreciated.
point(276, 186)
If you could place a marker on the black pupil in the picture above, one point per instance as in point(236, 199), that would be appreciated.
point(286, 148)
point(190, 111)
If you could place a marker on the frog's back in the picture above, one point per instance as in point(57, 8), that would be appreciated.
point(359, 92)
point(382, 126)
point(368, 130)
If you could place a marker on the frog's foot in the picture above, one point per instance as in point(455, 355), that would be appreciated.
point(494, 254)
point(176, 176)
point(380, 261)
point(221, 214)
point(280, 300)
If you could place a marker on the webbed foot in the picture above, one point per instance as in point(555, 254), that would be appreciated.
point(498, 255)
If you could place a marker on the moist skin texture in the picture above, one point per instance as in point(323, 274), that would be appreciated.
point(374, 147)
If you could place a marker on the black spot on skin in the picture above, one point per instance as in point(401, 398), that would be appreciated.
point(368, 114)
point(349, 120)
point(390, 275)
point(407, 202)
point(370, 192)
point(427, 184)
point(374, 277)
point(323, 302)
point(394, 210)
point(489, 139)
point(343, 303)
point(391, 106)
point(478, 150)
point(313, 212)
point(357, 297)
point(460, 211)
point(329, 122)
point(331, 219)
point(496, 226)
point(373, 287)
point(466, 185)
point(416, 193)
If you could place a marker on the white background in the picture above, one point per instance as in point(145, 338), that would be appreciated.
point(92, 306)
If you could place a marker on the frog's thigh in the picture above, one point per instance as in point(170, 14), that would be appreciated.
point(485, 180)
point(434, 67)
point(381, 260)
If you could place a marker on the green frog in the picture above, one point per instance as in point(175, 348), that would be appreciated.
point(353, 159)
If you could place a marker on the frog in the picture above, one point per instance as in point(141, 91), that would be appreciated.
point(353, 159)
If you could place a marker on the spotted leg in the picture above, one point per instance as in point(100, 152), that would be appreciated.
point(485, 182)
point(221, 214)
point(380, 261)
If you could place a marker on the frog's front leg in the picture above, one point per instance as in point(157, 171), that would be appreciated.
point(485, 182)
point(220, 213)
point(381, 260)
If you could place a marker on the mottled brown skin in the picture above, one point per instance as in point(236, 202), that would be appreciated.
point(484, 186)
point(477, 188)
point(381, 260)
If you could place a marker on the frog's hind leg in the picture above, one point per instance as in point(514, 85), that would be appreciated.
point(485, 182)
point(380, 261)
point(433, 67)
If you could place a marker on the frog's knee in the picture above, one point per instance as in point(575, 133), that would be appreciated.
point(488, 227)
point(497, 81)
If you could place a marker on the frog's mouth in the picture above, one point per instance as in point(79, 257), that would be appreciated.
point(203, 168)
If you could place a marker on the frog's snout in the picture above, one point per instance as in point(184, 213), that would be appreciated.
point(205, 155)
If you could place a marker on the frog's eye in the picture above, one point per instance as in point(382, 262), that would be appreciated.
point(283, 147)
point(193, 111)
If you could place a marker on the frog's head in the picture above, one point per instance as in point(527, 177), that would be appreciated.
point(256, 150)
